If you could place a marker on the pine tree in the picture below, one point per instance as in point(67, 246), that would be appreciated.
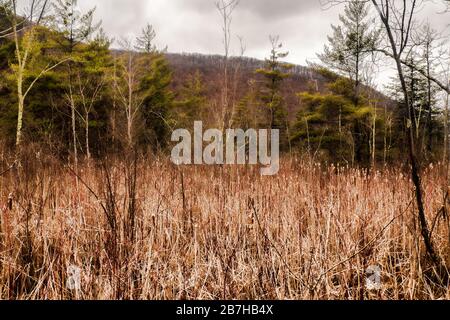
point(423, 98)
point(332, 124)
point(246, 114)
point(144, 43)
point(274, 113)
point(74, 28)
point(157, 101)
point(191, 103)
point(351, 44)
point(154, 91)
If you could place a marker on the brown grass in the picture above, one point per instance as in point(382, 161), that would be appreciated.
point(216, 232)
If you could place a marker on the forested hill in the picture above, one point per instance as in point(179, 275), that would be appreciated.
point(95, 96)
point(242, 71)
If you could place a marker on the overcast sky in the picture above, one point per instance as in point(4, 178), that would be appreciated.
point(195, 25)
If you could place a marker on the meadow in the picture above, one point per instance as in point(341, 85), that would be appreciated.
point(134, 229)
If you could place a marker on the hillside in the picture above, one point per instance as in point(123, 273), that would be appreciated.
point(210, 67)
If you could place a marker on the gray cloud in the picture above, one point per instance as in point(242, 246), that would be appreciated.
point(265, 9)
point(195, 25)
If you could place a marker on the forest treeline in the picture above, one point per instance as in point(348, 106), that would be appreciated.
point(64, 89)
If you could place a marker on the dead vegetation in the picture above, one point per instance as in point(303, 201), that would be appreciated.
point(149, 230)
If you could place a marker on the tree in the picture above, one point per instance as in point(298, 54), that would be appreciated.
point(74, 27)
point(157, 98)
point(274, 73)
point(397, 20)
point(157, 101)
point(141, 85)
point(127, 76)
point(331, 123)
point(246, 115)
point(423, 95)
point(90, 82)
point(347, 54)
point(226, 9)
point(24, 31)
point(191, 103)
point(144, 43)
point(351, 44)
point(428, 43)
point(5, 27)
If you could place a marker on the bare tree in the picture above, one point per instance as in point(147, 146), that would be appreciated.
point(398, 22)
point(126, 80)
point(430, 45)
point(75, 28)
point(226, 9)
point(90, 82)
point(446, 114)
point(237, 66)
point(23, 29)
point(397, 19)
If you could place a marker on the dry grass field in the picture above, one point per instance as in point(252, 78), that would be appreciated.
point(156, 231)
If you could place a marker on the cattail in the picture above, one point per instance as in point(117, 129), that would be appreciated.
point(10, 202)
point(196, 213)
point(250, 220)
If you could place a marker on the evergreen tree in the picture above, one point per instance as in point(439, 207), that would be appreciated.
point(191, 104)
point(274, 113)
point(347, 53)
point(423, 99)
point(154, 90)
point(246, 114)
point(351, 44)
point(74, 26)
point(157, 101)
point(144, 43)
point(332, 124)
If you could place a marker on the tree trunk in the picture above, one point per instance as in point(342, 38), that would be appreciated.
point(429, 125)
point(374, 137)
point(74, 131)
point(415, 172)
point(19, 122)
point(88, 150)
point(446, 130)
point(20, 108)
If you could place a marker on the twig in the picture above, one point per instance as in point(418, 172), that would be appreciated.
point(89, 188)
point(255, 213)
point(441, 212)
point(9, 169)
point(363, 249)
